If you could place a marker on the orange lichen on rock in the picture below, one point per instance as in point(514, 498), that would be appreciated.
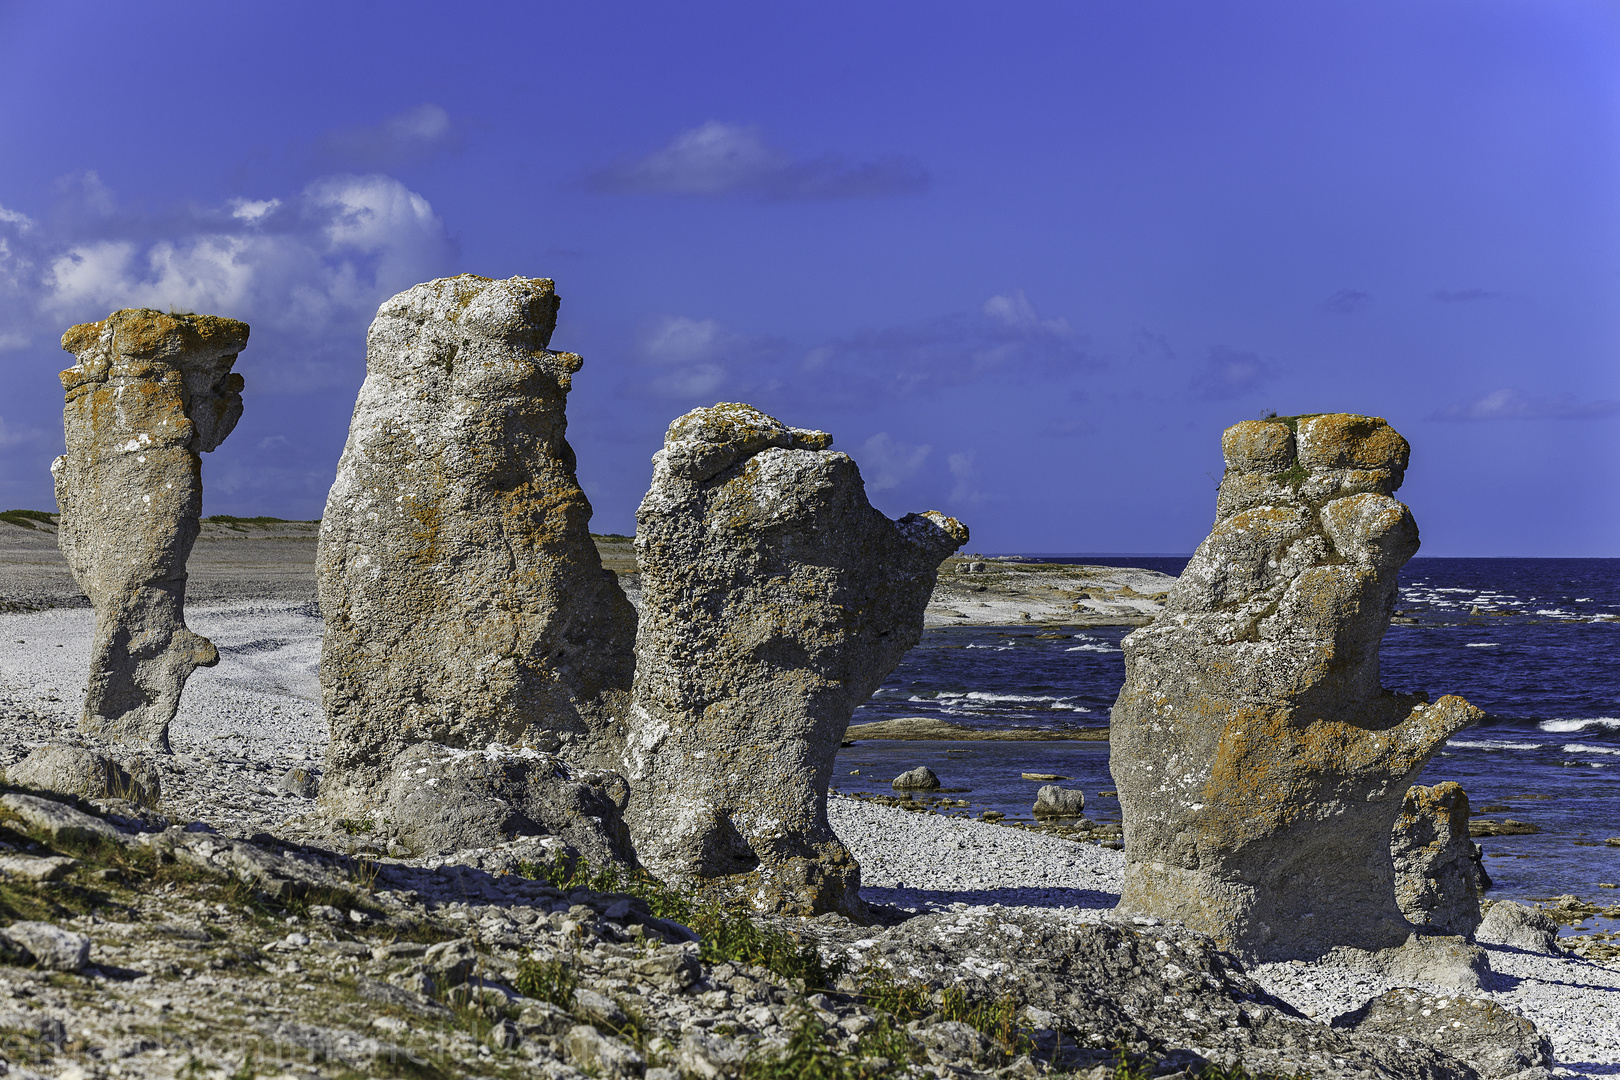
point(775, 599)
point(148, 393)
point(464, 601)
point(1260, 764)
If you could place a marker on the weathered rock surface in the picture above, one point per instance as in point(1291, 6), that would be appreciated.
point(1518, 927)
point(51, 947)
point(464, 601)
point(775, 600)
point(1161, 993)
point(1259, 763)
point(75, 770)
point(147, 394)
point(1435, 878)
point(921, 778)
point(440, 800)
point(1497, 1043)
point(1055, 801)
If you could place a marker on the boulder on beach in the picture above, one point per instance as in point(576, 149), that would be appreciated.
point(440, 800)
point(774, 600)
point(1260, 765)
point(921, 778)
point(464, 601)
point(74, 770)
point(1054, 801)
point(1518, 927)
point(1495, 1042)
point(148, 393)
point(1436, 882)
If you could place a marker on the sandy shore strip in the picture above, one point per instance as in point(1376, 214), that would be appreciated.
point(244, 723)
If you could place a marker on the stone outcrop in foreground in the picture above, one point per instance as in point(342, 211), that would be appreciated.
point(147, 394)
point(1260, 765)
point(464, 601)
point(346, 977)
point(1436, 877)
point(775, 600)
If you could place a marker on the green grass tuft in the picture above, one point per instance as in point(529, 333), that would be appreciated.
point(728, 933)
point(548, 980)
point(26, 518)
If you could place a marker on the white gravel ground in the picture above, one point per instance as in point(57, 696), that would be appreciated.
point(258, 713)
point(925, 861)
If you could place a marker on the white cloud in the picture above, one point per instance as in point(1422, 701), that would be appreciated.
point(308, 264)
point(1005, 337)
point(689, 358)
point(1015, 311)
point(887, 463)
point(1228, 373)
point(413, 135)
point(1515, 404)
point(963, 492)
point(717, 158)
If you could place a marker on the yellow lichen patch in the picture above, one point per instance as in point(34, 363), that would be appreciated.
point(1349, 441)
point(1257, 446)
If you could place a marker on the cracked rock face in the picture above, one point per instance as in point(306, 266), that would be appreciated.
point(465, 603)
point(1436, 882)
point(1259, 763)
point(775, 600)
point(147, 394)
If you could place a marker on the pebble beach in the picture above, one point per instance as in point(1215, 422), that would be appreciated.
point(247, 722)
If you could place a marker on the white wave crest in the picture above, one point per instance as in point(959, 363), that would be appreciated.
point(1594, 723)
point(1492, 744)
point(1578, 748)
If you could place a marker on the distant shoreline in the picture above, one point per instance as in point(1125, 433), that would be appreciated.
point(925, 728)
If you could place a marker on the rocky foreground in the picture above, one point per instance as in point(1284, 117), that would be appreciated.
point(143, 948)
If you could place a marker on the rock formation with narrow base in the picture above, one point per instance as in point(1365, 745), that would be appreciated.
point(465, 603)
point(1436, 882)
point(775, 600)
point(1260, 765)
point(149, 393)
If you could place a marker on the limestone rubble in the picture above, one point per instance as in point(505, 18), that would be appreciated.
point(774, 601)
point(1260, 765)
point(147, 394)
point(464, 601)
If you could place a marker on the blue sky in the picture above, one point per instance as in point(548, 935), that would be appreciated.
point(1024, 261)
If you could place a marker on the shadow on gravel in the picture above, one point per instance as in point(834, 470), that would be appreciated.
point(1030, 898)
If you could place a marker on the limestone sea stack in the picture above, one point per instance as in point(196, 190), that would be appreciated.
point(1260, 764)
point(775, 600)
point(465, 603)
point(147, 394)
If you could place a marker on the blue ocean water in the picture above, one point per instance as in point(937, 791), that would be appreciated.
point(1535, 643)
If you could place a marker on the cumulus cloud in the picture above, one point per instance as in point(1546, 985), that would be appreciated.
point(688, 359)
point(1515, 404)
point(720, 159)
point(1227, 373)
point(1005, 337)
point(886, 463)
point(1347, 302)
point(305, 264)
point(411, 136)
point(963, 491)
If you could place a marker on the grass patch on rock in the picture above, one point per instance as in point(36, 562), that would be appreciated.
point(727, 931)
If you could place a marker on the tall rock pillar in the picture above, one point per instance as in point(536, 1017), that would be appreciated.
point(775, 600)
point(1260, 765)
point(147, 394)
point(464, 600)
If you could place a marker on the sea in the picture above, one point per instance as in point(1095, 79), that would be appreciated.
point(1534, 643)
